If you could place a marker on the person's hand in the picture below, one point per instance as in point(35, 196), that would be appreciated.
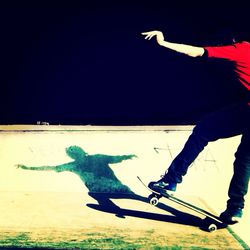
point(132, 156)
point(20, 166)
point(158, 34)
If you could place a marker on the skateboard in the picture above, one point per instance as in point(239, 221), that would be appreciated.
point(210, 223)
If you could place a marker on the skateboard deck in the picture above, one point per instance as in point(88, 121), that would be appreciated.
point(211, 221)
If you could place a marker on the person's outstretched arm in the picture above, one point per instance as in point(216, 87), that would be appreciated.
point(114, 158)
point(189, 50)
point(45, 168)
point(59, 168)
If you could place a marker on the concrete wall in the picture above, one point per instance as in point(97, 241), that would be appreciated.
point(208, 177)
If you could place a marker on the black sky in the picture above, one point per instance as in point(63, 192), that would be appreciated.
point(86, 62)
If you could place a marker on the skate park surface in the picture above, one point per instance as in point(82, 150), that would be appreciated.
point(63, 209)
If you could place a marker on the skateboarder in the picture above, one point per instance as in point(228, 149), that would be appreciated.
point(230, 121)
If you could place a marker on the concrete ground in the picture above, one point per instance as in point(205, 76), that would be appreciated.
point(49, 208)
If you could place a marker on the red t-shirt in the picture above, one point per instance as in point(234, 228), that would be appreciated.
point(239, 53)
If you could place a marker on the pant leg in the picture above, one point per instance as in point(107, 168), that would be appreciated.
point(230, 121)
point(239, 184)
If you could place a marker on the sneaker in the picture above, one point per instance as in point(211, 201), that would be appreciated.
point(170, 187)
point(231, 216)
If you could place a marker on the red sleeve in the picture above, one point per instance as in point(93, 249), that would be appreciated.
point(229, 52)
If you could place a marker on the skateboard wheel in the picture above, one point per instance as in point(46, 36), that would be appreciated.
point(153, 200)
point(212, 227)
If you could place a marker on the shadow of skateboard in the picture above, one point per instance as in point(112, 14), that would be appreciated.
point(210, 223)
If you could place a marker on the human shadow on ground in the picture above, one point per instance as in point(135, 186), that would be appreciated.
point(104, 186)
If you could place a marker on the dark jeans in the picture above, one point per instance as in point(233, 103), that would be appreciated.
point(230, 121)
